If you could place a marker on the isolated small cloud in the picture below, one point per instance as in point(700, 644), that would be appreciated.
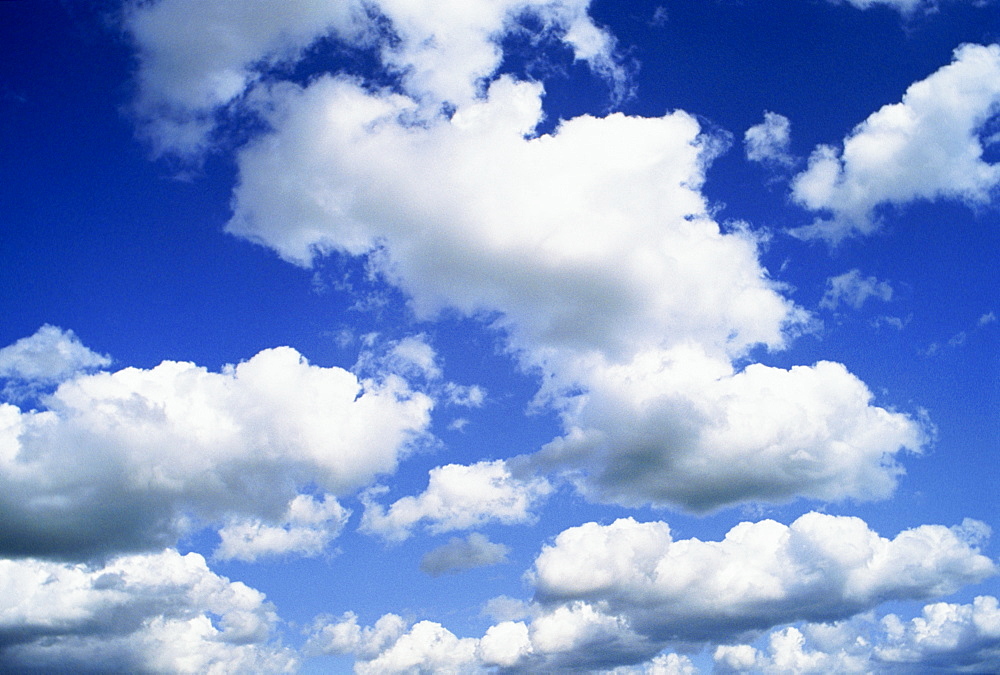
point(459, 555)
point(157, 612)
point(928, 146)
point(851, 289)
point(987, 319)
point(769, 141)
point(307, 528)
point(457, 498)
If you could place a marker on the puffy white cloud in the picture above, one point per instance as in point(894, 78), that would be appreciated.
point(927, 146)
point(682, 428)
point(198, 56)
point(945, 635)
point(118, 461)
point(49, 356)
point(770, 140)
point(762, 574)
point(457, 498)
point(308, 527)
point(463, 554)
point(158, 612)
point(852, 289)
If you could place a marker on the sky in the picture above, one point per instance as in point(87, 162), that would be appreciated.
point(499, 336)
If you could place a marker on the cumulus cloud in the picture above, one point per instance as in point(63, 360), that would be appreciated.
point(945, 637)
point(684, 429)
point(457, 498)
point(928, 146)
point(157, 612)
point(120, 461)
point(463, 554)
point(591, 248)
point(851, 289)
point(770, 140)
point(618, 595)
point(762, 574)
point(309, 526)
point(197, 58)
point(46, 358)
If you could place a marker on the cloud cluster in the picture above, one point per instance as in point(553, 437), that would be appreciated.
point(927, 146)
point(188, 78)
point(458, 498)
point(155, 612)
point(44, 359)
point(946, 637)
point(615, 595)
point(125, 460)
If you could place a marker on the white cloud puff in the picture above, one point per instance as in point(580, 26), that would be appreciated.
point(684, 429)
point(308, 527)
point(49, 356)
point(158, 612)
point(852, 289)
point(925, 147)
point(770, 140)
point(118, 460)
point(457, 498)
point(463, 554)
point(762, 574)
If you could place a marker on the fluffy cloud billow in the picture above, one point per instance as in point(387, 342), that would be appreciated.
point(124, 461)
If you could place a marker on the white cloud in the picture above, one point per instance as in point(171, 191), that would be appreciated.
point(119, 460)
point(928, 146)
point(610, 596)
point(308, 527)
point(905, 7)
point(987, 319)
point(770, 140)
point(463, 554)
point(684, 429)
point(49, 356)
point(852, 289)
point(945, 637)
point(196, 57)
point(159, 612)
point(457, 498)
point(762, 574)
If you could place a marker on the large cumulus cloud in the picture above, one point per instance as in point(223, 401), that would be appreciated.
point(126, 460)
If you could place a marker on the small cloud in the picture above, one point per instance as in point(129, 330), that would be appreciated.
point(852, 289)
point(460, 554)
point(769, 141)
point(660, 16)
point(986, 319)
point(957, 340)
point(458, 424)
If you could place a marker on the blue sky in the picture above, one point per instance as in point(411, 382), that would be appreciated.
point(509, 336)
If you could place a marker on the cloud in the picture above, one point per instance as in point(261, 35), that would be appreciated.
point(852, 289)
point(463, 554)
point(457, 498)
point(308, 527)
point(188, 77)
point(928, 146)
point(44, 359)
point(124, 461)
point(762, 574)
point(683, 429)
point(156, 612)
point(611, 596)
point(945, 637)
point(769, 141)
